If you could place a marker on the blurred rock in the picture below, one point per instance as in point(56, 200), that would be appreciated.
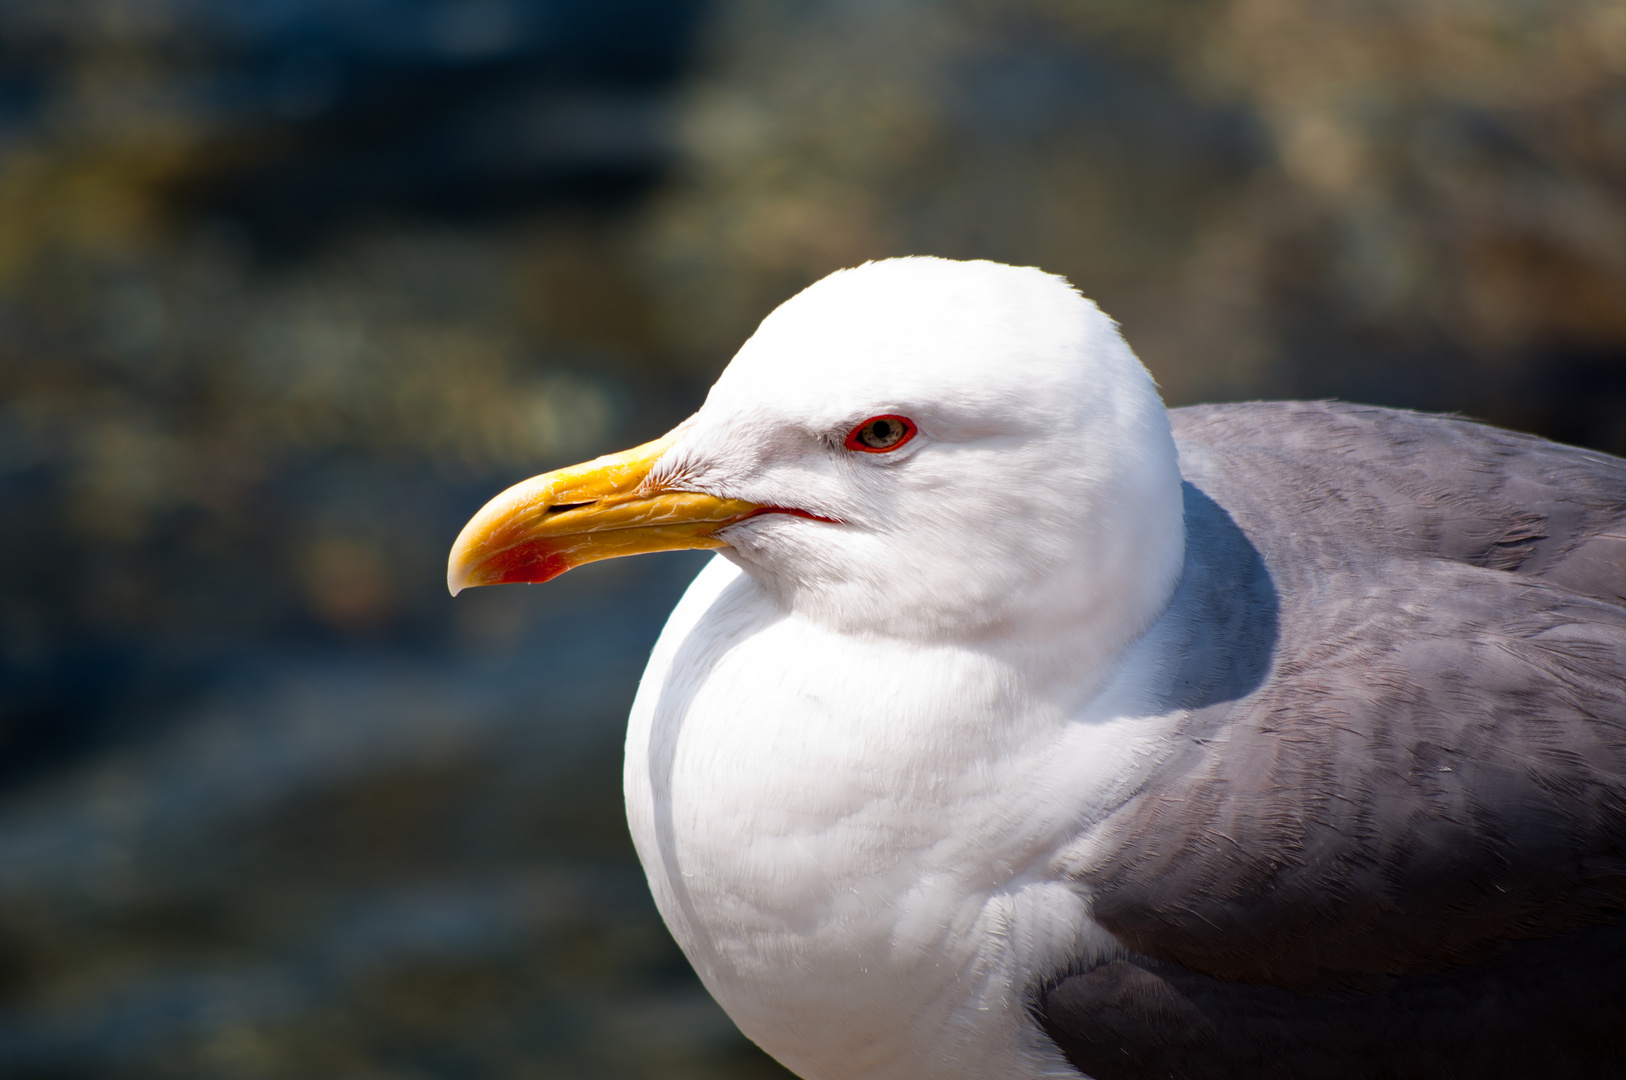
point(1420, 205)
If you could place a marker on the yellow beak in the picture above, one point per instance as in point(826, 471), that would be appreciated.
point(541, 527)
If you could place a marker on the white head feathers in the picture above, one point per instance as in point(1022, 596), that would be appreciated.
point(1042, 490)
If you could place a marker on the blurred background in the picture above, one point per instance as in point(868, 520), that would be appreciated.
point(288, 288)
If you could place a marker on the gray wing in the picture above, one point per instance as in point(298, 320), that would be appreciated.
point(1410, 765)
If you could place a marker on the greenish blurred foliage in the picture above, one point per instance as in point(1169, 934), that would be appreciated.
point(288, 289)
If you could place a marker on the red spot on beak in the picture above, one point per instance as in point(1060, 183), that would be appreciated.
point(527, 563)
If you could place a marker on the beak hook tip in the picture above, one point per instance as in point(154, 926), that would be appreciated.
point(457, 579)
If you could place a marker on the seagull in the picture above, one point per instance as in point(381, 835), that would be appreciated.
point(1026, 728)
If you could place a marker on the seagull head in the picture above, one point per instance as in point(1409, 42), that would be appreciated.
point(916, 448)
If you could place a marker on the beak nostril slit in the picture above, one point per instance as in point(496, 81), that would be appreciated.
point(560, 507)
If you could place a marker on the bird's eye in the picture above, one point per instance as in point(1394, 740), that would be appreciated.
point(879, 434)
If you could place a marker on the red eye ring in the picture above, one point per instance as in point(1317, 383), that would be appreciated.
point(881, 434)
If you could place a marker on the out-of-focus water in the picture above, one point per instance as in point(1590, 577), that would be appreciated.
point(391, 862)
point(275, 805)
point(289, 289)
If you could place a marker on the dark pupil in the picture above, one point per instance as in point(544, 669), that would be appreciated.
point(880, 433)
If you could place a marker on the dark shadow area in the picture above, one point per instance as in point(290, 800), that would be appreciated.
point(1139, 1017)
point(1221, 627)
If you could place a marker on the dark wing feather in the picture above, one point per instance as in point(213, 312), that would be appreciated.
point(1543, 1008)
point(1431, 762)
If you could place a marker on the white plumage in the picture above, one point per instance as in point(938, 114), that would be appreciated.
point(860, 752)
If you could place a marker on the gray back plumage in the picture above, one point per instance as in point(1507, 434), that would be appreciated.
point(1416, 755)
